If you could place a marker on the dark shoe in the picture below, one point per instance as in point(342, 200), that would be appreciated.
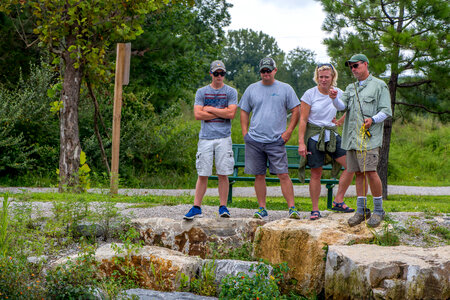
point(357, 218)
point(223, 212)
point(342, 207)
point(315, 214)
point(375, 220)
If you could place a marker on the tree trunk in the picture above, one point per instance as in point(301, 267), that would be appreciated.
point(382, 167)
point(70, 148)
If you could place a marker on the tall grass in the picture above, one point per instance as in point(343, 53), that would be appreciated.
point(419, 153)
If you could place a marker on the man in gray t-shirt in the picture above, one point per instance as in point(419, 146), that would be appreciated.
point(270, 101)
point(215, 105)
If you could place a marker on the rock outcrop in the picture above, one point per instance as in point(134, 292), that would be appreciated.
point(192, 237)
point(360, 271)
point(301, 244)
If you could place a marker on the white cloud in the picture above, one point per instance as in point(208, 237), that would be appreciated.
point(292, 23)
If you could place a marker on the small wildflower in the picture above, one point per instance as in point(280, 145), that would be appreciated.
point(243, 277)
point(271, 277)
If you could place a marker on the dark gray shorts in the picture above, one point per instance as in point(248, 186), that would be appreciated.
point(257, 154)
point(316, 158)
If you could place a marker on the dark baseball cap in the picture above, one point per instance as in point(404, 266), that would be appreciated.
point(357, 57)
point(217, 65)
point(268, 63)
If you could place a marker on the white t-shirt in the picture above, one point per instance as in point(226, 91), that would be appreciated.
point(322, 109)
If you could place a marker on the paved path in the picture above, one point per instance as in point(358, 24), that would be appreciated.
point(272, 191)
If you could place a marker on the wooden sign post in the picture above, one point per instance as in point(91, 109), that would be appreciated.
point(122, 78)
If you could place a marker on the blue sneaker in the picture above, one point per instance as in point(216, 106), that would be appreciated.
point(293, 213)
point(194, 212)
point(223, 212)
point(261, 213)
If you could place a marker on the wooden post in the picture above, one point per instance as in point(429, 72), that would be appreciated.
point(122, 75)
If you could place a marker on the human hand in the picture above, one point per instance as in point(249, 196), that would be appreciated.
point(367, 123)
point(286, 136)
point(332, 93)
point(302, 150)
point(338, 122)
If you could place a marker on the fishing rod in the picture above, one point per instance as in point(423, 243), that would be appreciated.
point(366, 131)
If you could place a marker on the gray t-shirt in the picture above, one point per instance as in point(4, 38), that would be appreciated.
point(221, 98)
point(270, 105)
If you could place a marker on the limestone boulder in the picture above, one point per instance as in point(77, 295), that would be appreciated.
point(371, 271)
point(224, 267)
point(302, 244)
point(157, 268)
point(193, 237)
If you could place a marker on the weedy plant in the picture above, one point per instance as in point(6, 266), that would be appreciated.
point(4, 220)
point(387, 236)
point(260, 285)
point(221, 251)
point(205, 284)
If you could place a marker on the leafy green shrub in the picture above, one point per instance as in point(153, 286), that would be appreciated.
point(18, 280)
point(29, 133)
point(261, 285)
point(73, 280)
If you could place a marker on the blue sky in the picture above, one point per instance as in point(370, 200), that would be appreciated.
point(293, 23)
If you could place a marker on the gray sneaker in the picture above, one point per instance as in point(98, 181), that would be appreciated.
point(375, 220)
point(357, 218)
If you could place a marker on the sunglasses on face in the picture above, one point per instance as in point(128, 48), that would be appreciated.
point(327, 65)
point(355, 66)
point(215, 74)
point(263, 71)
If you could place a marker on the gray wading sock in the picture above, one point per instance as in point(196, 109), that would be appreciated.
point(361, 203)
point(378, 205)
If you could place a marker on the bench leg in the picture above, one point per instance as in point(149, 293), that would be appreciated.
point(330, 195)
point(230, 192)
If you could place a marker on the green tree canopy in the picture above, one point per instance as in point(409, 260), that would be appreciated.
point(173, 54)
point(399, 38)
point(301, 65)
point(245, 46)
point(79, 34)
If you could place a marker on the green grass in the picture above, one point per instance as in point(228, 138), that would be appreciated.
point(406, 203)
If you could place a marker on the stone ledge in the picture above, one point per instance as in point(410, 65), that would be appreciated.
point(401, 272)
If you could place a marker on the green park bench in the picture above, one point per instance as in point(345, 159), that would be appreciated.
point(293, 162)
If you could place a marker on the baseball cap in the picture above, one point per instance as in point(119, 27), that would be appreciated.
point(357, 57)
point(217, 65)
point(268, 63)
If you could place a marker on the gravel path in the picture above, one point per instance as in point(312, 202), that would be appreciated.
point(272, 191)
